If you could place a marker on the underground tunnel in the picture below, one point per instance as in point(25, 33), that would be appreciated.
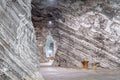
point(59, 39)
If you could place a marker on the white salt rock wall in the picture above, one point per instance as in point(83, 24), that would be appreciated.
point(18, 51)
point(92, 36)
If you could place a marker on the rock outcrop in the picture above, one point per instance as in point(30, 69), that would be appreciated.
point(18, 51)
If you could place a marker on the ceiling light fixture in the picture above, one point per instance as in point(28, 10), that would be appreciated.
point(50, 22)
point(51, 0)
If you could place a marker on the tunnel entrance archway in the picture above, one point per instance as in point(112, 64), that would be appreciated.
point(49, 51)
point(50, 47)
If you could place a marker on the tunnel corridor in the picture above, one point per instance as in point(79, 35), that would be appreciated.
point(59, 39)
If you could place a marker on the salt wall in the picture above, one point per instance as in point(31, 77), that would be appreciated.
point(89, 32)
point(18, 51)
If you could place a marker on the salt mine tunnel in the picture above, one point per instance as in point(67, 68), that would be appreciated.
point(59, 39)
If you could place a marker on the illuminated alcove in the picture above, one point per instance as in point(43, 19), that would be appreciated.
point(50, 47)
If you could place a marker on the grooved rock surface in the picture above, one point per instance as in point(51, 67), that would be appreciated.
point(92, 37)
point(41, 36)
point(18, 50)
point(85, 30)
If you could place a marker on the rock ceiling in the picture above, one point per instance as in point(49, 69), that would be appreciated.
point(54, 9)
point(84, 29)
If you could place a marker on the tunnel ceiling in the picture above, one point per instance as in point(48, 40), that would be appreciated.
point(54, 9)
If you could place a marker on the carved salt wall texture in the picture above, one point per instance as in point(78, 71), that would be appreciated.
point(41, 40)
point(18, 51)
point(87, 29)
point(92, 36)
point(41, 34)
